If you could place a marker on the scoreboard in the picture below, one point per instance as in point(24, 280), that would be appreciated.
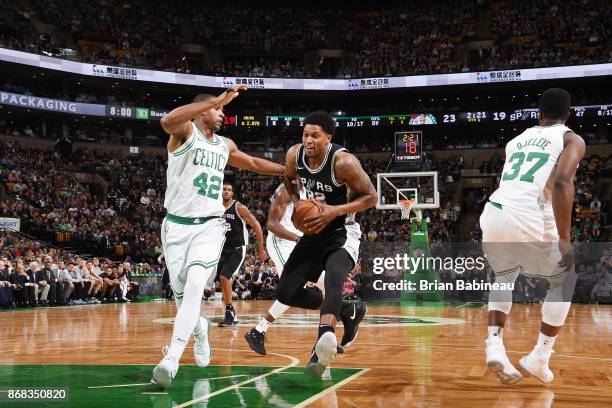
point(408, 147)
point(447, 118)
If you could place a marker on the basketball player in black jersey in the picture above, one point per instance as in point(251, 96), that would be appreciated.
point(326, 172)
point(234, 249)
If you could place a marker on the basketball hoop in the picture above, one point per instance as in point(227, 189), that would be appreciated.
point(406, 206)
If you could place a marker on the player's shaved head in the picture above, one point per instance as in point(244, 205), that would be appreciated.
point(555, 103)
point(202, 97)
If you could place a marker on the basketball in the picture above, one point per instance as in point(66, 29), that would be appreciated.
point(305, 209)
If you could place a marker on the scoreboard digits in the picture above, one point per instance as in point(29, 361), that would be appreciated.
point(409, 146)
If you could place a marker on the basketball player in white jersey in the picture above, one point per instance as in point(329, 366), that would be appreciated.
point(282, 238)
point(526, 229)
point(193, 232)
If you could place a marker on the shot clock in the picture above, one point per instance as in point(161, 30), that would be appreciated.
point(409, 146)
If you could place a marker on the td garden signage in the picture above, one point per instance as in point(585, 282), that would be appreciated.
point(319, 84)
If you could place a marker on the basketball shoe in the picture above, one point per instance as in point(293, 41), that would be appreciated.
point(351, 315)
point(498, 362)
point(256, 341)
point(324, 352)
point(536, 364)
point(201, 348)
point(165, 371)
point(230, 317)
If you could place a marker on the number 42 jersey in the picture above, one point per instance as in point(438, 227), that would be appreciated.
point(531, 159)
point(195, 176)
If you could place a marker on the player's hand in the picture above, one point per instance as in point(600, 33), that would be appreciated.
point(262, 254)
point(229, 95)
point(567, 254)
point(317, 223)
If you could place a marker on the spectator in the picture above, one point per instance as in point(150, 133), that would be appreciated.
point(25, 287)
point(602, 291)
point(42, 279)
point(6, 287)
point(111, 284)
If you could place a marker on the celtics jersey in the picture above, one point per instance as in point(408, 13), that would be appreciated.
point(195, 176)
point(286, 220)
point(531, 158)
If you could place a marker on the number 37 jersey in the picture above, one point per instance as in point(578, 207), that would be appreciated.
point(526, 179)
point(195, 176)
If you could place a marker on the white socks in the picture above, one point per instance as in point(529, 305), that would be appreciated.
point(495, 331)
point(546, 343)
point(276, 311)
point(263, 325)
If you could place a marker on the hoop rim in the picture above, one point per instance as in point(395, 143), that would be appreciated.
point(407, 203)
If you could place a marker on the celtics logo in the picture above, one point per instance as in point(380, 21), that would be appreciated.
point(312, 320)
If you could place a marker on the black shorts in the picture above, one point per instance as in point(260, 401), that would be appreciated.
point(230, 261)
point(311, 252)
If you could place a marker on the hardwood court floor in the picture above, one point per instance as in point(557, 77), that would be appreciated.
point(405, 356)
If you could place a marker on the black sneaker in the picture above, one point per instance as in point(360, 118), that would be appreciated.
point(351, 317)
point(256, 341)
point(230, 319)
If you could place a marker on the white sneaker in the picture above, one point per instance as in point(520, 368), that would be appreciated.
point(536, 364)
point(324, 352)
point(165, 371)
point(498, 362)
point(201, 348)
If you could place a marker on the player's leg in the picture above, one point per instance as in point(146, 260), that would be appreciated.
point(305, 259)
point(279, 251)
point(183, 245)
point(233, 260)
point(186, 320)
point(555, 309)
point(501, 258)
point(338, 264)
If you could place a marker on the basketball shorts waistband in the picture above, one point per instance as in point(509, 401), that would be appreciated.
point(189, 220)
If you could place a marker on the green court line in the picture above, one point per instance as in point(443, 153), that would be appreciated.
point(132, 387)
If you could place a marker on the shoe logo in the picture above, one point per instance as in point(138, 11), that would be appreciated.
point(354, 312)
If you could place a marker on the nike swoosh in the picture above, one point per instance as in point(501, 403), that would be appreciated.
point(354, 312)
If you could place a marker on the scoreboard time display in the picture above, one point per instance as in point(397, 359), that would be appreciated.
point(409, 146)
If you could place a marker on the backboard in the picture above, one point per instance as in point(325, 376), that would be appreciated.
point(422, 187)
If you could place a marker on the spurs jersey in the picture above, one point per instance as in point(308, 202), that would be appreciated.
point(321, 184)
point(531, 158)
point(237, 234)
point(195, 176)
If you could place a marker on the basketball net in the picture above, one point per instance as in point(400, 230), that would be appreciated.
point(406, 207)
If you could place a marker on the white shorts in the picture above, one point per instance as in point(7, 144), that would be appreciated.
point(353, 240)
point(279, 250)
point(187, 245)
point(511, 244)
